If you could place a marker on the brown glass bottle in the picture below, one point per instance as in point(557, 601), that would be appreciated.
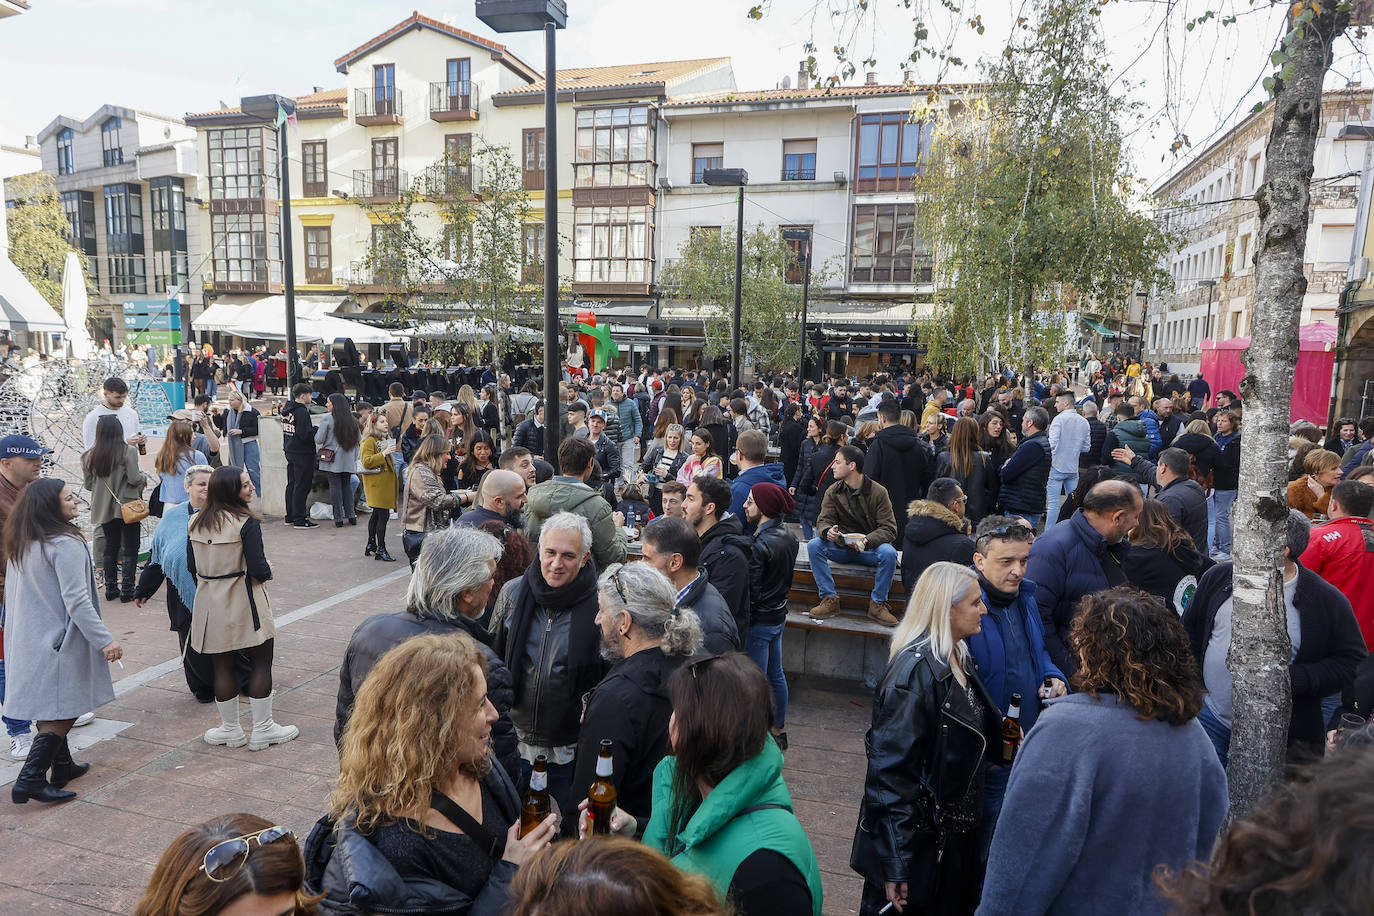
point(536, 806)
point(1011, 730)
point(601, 796)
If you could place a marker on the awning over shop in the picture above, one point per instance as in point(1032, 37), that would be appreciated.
point(266, 318)
point(23, 308)
point(1097, 327)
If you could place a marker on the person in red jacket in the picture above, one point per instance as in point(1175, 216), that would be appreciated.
point(1341, 550)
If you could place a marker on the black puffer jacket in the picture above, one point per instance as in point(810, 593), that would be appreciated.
point(772, 559)
point(531, 436)
point(381, 632)
point(725, 553)
point(932, 535)
point(717, 623)
point(357, 879)
point(899, 461)
point(922, 760)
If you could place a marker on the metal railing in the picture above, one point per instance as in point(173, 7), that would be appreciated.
point(380, 182)
point(799, 174)
point(454, 96)
point(367, 104)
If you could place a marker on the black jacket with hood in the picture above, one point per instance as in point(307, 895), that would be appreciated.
point(897, 460)
point(933, 534)
point(718, 631)
point(725, 557)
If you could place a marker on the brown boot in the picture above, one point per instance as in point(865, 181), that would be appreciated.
point(879, 612)
point(828, 607)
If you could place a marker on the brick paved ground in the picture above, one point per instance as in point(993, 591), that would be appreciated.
point(152, 775)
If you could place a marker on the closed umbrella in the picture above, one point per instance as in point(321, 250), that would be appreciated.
point(75, 305)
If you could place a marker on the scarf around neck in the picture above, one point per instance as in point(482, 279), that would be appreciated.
point(584, 637)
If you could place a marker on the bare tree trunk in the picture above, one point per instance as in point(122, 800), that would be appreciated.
point(1260, 647)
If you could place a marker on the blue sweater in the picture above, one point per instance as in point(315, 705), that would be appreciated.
point(1097, 799)
point(739, 488)
point(988, 647)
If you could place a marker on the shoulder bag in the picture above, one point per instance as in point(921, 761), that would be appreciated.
point(134, 511)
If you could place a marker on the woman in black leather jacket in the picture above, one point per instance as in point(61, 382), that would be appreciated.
point(934, 725)
point(772, 558)
point(802, 492)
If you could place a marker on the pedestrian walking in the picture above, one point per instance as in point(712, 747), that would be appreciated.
point(111, 474)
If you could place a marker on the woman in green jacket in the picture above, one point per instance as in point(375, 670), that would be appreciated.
point(720, 807)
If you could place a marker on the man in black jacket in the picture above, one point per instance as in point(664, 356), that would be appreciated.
point(724, 545)
point(1185, 498)
point(671, 546)
point(898, 460)
point(1328, 646)
point(1097, 434)
point(448, 591)
point(530, 433)
point(772, 557)
point(936, 532)
point(298, 442)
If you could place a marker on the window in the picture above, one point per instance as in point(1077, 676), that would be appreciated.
point(612, 244)
point(167, 203)
point(532, 254)
point(1335, 243)
point(318, 267)
point(615, 147)
point(314, 168)
point(532, 159)
point(799, 160)
point(66, 163)
point(885, 248)
point(247, 248)
point(459, 84)
point(890, 146)
point(385, 177)
point(796, 268)
point(238, 158)
point(706, 156)
point(111, 152)
point(384, 89)
point(124, 238)
point(79, 208)
point(458, 148)
point(1243, 253)
point(458, 243)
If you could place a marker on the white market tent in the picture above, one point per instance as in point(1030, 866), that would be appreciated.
point(266, 318)
point(467, 330)
point(22, 307)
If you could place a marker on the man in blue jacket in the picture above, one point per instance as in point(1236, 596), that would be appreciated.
point(751, 451)
point(1026, 474)
point(1010, 649)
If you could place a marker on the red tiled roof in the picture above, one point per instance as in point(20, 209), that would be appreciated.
point(623, 75)
point(325, 98)
point(417, 21)
point(837, 92)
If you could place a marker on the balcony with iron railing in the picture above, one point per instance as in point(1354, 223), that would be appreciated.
point(799, 174)
point(380, 185)
point(371, 108)
point(454, 100)
point(448, 178)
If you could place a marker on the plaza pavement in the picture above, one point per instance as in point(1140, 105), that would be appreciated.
point(152, 775)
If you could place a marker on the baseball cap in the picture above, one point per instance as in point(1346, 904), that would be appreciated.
point(181, 414)
point(17, 446)
point(597, 413)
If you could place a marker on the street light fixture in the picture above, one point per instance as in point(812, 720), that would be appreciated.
point(269, 109)
point(733, 178)
point(547, 16)
point(803, 237)
point(1211, 288)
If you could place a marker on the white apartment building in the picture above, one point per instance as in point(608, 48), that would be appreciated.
point(1209, 203)
point(124, 178)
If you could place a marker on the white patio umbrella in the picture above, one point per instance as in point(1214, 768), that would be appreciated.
point(75, 305)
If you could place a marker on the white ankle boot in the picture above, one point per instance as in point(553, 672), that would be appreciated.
point(266, 732)
point(229, 732)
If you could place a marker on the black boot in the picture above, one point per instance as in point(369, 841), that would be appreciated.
point(32, 781)
point(371, 546)
point(383, 555)
point(128, 574)
point(64, 769)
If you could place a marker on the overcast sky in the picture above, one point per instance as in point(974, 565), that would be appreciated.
point(173, 56)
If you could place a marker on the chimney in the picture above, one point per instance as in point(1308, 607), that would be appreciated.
point(315, 89)
point(906, 77)
point(871, 78)
point(802, 81)
point(30, 141)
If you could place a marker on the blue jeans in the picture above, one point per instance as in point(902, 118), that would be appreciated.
point(822, 552)
point(1034, 520)
point(1061, 483)
point(765, 648)
point(13, 726)
point(1223, 503)
point(994, 791)
point(252, 464)
point(1217, 731)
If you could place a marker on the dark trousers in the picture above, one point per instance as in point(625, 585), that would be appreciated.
point(117, 535)
point(300, 475)
point(341, 496)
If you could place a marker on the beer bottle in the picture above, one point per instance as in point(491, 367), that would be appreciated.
point(601, 796)
point(1011, 730)
point(535, 807)
point(1047, 685)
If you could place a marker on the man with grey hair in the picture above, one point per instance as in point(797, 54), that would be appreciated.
point(1326, 644)
point(448, 592)
point(1097, 434)
point(1186, 499)
point(1025, 475)
point(544, 628)
point(646, 637)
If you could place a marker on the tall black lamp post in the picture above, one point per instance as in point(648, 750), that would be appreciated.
point(803, 239)
point(547, 16)
point(733, 178)
point(271, 108)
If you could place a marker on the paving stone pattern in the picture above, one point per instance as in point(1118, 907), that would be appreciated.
point(152, 775)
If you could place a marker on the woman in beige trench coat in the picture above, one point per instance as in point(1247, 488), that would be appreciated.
point(232, 611)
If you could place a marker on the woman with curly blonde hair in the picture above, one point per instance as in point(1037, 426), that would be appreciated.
point(417, 818)
point(1113, 780)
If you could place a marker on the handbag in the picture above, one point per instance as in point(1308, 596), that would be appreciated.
point(325, 454)
point(134, 511)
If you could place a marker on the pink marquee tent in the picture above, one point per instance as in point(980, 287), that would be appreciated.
point(1222, 368)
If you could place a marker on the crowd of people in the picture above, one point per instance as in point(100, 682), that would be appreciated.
point(616, 609)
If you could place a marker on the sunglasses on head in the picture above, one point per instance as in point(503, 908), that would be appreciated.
point(223, 859)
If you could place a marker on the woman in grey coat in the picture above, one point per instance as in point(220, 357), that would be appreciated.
point(57, 666)
point(338, 431)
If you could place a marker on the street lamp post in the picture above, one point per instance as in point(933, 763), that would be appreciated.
point(734, 178)
point(1207, 325)
point(271, 108)
point(802, 236)
point(547, 16)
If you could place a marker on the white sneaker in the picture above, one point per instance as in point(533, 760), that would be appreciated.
point(84, 719)
point(19, 746)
